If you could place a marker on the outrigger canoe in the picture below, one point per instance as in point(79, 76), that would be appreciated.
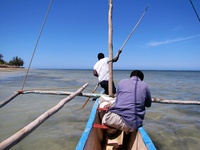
point(94, 136)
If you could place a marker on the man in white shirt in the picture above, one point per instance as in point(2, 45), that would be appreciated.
point(101, 70)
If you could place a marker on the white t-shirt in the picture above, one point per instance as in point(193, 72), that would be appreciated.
point(102, 69)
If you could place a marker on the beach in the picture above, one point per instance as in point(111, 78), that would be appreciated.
point(10, 71)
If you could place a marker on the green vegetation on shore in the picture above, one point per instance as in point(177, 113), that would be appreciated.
point(15, 62)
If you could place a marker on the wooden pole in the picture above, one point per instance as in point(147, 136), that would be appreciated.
point(164, 101)
point(195, 10)
point(9, 99)
point(45, 18)
point(20, 135)
point(63, 93)
point(134, 28)
point(110, 48)
point(96, 95)
point(89, 97)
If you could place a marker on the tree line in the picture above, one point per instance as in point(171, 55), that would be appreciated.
point(15, 61)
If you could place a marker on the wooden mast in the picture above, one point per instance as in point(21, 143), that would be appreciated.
point(110, 48)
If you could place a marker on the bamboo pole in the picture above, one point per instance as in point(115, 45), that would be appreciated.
point(134, 28)
point(36, 44)
point(20, 135)
point(89, 97)
point(4, 102)
point(110, 48)
point(62, 93)
point(164, 101)
point(155, 100)
point(195, 10)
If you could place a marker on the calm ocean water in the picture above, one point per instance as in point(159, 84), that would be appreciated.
point(170, 126)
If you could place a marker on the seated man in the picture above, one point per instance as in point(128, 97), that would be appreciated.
point(128, 111)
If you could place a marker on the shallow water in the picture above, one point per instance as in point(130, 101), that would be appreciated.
point(170, 126)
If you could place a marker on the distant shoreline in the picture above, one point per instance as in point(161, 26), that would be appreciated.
point(11, 69)
point(10, 72)
point(16, 69)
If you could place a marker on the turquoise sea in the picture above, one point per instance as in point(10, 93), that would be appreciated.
point(170, 126)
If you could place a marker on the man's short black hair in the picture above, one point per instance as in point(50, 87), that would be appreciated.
point(100, 56)
point(137, 73)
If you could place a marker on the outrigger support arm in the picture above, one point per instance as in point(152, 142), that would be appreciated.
point(20, 135)
point(4, 102)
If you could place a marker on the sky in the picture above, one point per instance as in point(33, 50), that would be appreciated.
point(167, 38)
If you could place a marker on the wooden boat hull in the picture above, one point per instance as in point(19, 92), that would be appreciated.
point(95, 138)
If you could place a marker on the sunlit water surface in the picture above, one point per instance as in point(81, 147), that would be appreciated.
point(170, 126)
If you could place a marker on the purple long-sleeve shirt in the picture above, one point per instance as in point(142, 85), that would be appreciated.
point(132, 97)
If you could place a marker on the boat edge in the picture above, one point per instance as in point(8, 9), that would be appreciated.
point(147, 140)
point(88, 127)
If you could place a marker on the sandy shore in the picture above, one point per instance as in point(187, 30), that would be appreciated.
point(11, 69)
point(8, 72)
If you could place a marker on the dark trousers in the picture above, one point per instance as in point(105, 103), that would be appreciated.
point(104, 85)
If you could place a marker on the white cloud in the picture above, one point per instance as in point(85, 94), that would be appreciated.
point(158, 43)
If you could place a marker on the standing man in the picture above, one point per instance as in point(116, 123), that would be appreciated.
point(128, 111)
point(101, 70)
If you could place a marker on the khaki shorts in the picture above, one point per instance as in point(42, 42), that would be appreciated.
point(113, 120)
